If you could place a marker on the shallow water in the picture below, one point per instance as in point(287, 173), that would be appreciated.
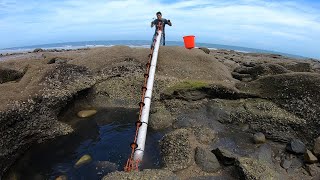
point(105, 137)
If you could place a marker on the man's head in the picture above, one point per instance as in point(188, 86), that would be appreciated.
point(159, 15)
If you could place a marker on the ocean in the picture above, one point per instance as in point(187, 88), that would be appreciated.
point(137, 44)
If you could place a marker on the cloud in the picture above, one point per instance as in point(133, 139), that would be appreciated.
point(234, 22)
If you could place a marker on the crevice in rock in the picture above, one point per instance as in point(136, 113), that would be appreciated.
point(211, 92)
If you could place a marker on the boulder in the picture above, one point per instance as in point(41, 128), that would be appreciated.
point(176, 150)
point(296, 146)
point(206, 160)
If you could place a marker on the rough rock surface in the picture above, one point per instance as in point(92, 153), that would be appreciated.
point(176, 150)
point(32, 117)
point(147, 174)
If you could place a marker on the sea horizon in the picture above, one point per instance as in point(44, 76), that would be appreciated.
point(139, 44)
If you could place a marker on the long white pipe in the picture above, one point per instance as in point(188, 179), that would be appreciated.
point(142, 133)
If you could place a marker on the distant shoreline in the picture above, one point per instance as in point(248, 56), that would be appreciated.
point(133, 43)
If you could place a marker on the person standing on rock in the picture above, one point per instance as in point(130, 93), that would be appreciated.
point(163, 22)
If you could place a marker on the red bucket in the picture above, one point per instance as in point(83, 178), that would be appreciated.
point(189, 41)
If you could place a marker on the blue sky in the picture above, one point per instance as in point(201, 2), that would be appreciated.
point(285, 26)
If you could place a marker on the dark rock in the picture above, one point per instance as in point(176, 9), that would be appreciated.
point(309, 157)
point(259, 138)
point(206, 160)
point(156, 174)
point(204, 49)
point(38, 50)
point(296, 146)
point(176, 150)
point(316, 148)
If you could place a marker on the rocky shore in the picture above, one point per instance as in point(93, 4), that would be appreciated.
point(231, 115)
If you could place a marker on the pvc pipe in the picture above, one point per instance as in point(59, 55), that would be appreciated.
point(142, 132)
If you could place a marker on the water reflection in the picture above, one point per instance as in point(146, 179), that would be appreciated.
point(105, 137)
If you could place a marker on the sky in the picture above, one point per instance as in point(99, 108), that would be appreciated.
point(289, 26)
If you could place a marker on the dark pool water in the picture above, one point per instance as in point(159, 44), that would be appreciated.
point(105, 137)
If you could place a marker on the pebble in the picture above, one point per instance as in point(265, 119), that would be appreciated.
point(309, 157)
point(86, 113)
point(85, 159)
point(259, 138)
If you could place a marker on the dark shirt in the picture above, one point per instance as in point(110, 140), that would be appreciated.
point(164, 22)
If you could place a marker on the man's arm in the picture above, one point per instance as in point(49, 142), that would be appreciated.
point(152, 23)
point(169, 22)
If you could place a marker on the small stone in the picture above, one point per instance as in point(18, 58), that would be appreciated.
point(285, 163)
point(316, 148)
point(62, 177)
point(309, 157)
point(296, 146)
point(86, 113)
point(85, 159)
point(206, 160)
point(259, 138)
